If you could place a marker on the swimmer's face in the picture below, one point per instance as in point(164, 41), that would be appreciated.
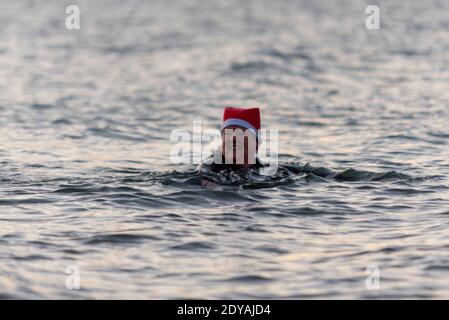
point(239, 146)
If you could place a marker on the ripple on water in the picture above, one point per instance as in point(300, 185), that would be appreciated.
point(248, 279)
point(118, 238)
point(85, 152)
point(194, 246)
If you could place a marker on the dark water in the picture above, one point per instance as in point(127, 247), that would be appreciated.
point(86, 178)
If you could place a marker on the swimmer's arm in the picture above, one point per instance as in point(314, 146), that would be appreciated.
point(208, 184)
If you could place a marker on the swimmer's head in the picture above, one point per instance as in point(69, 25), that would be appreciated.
point(240, 136)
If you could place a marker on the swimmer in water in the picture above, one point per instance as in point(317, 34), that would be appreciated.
point(240, 139)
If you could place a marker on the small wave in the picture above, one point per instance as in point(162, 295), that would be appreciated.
point(94, 190)
point(61, 121)
point(119, 238)
point(288, 56)
point(15, 202)
point(410, 52)
point(115, 134)
point(194, 246)
point(306, 211)
point(304, 123)
point(356, 175)
point(271, 249)
point(255, 228)
point(443, 135)
point(401, 137)
point(32, 257)
point(250, 66)
point(252, 278)
point(203, 196)
point(439, 267)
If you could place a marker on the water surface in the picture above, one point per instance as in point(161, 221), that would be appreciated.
point(86, 178)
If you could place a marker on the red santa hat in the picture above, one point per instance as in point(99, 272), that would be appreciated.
point(246, 118)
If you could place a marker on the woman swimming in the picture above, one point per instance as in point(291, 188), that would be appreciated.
point(240, 139)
